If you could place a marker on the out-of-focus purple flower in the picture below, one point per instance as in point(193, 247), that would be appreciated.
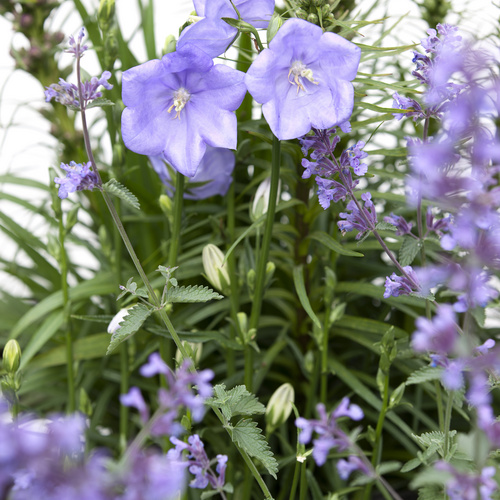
point(438, 226)
point(438, 335)
point(401, 285)
point(179, 393)
point(214, 174)
point(453, 375)
point(135, 400)
point(303, 79)
point(213, 35)
point(328, 430)
point(412, 108)
point(79, 177)
point(346, 467)
point(361, 218)
point(200, 465)
point(172, 104)
point(402, 227)
point(485, 347)
point(465, 486)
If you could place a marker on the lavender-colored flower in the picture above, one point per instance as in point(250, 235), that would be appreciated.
point(352, 157)
point(330, 434)
point(303, 79)
point(412, 108)
point(213, 177)
point(362, 219)
point(200, 465)
point(330, 190)
point(402, 227)
point(465, 486)
point(79, 177)
point(68, 94)
point(173, 103)
point(75, 46)
point(401, 285)
point(438, 335)
point(135, 400)
point(346, 467)
point(437, 226)
point(213, 35)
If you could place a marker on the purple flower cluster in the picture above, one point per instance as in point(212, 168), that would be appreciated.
point(79, 176)
point(179, 394)
point(75, 46)
point(330, 435)
point(213, 176)
point(401, 285)
point(199, 463)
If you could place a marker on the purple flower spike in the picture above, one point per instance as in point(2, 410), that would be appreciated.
point(213, 35)
point(135, 400)
point(154, 366)
point(400, 285)
point(402, 227)
point(303, 79)
point(214, 173)
point(361, 218)
point(173, 103)
point(346, 467)
point(79, 177)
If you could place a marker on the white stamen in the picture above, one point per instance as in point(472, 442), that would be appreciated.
point(181, 97)
point(300, 70)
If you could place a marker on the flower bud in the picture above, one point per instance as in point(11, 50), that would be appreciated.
point(261, 200)
point(312, 18)
point(216, 273)
point(274, 25)
point(194, 351)
point(11, 356)
point(270, 268)
point(280, 406)
point(170, 44)
point(301, 14)
point(166, 206)
point(105, 13)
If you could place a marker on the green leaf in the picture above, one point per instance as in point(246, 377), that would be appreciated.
point(424, 374)
point(385, 226)
point(100, 102)
point(236, 401)
point(249, 437)
point(435, 438)
point(408, 251)
point(196, 293)
point(298, 280)
point(114, 187)
point(331, 243)
point(130, 324)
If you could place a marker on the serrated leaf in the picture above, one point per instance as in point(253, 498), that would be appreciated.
point(197, 293)
point(430, 492)
point(236, 401)
point(130, 324)
point(331, 243)
point(385, 226)
point(114, 187)
point(425, 374)
point(100, 102)
point(249, 437)
point(408, 251)
point(411, 464)
point(434, 438)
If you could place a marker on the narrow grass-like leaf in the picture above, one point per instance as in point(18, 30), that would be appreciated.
point(300, 288)
point(130, 324)
point(331, 243)
point(114, 187)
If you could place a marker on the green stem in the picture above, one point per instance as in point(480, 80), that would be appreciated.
point(324, 355)
point(263, 256)
point(447, 422)
point(303, 482)
point(295, 481)
point(124, 387)
point(67, 321)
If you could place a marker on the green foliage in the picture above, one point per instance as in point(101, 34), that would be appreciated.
point(188, 294)
point(135, 318)
point(236, 401)
point(114, 187)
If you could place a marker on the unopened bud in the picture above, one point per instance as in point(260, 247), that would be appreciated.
point(193, 350)
point(216, 273)
point(313, 18)
point(270, 268)
point(261, 201)
point(242, 322)
point(11, 356)
point(325, 11)
point(251, 280)
point(166, 206)
point(170, 44)
point(274, 25)
point(280, 406)
point(105, 13)
point(301, 14)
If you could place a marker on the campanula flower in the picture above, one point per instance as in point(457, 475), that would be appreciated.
point(179, 105)
point(303, 79)
point(213, 177)
point(213, 35)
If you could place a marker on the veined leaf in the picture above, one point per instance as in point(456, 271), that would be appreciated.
point(409, 250)
point(197, 293)
point(249, 437)
point(236, 401)
point(130, 324)
point(100, 102)
point(114, 187)
point(425, 374)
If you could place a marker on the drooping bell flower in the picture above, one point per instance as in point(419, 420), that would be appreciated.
point(303, 80)
point(179, 105)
